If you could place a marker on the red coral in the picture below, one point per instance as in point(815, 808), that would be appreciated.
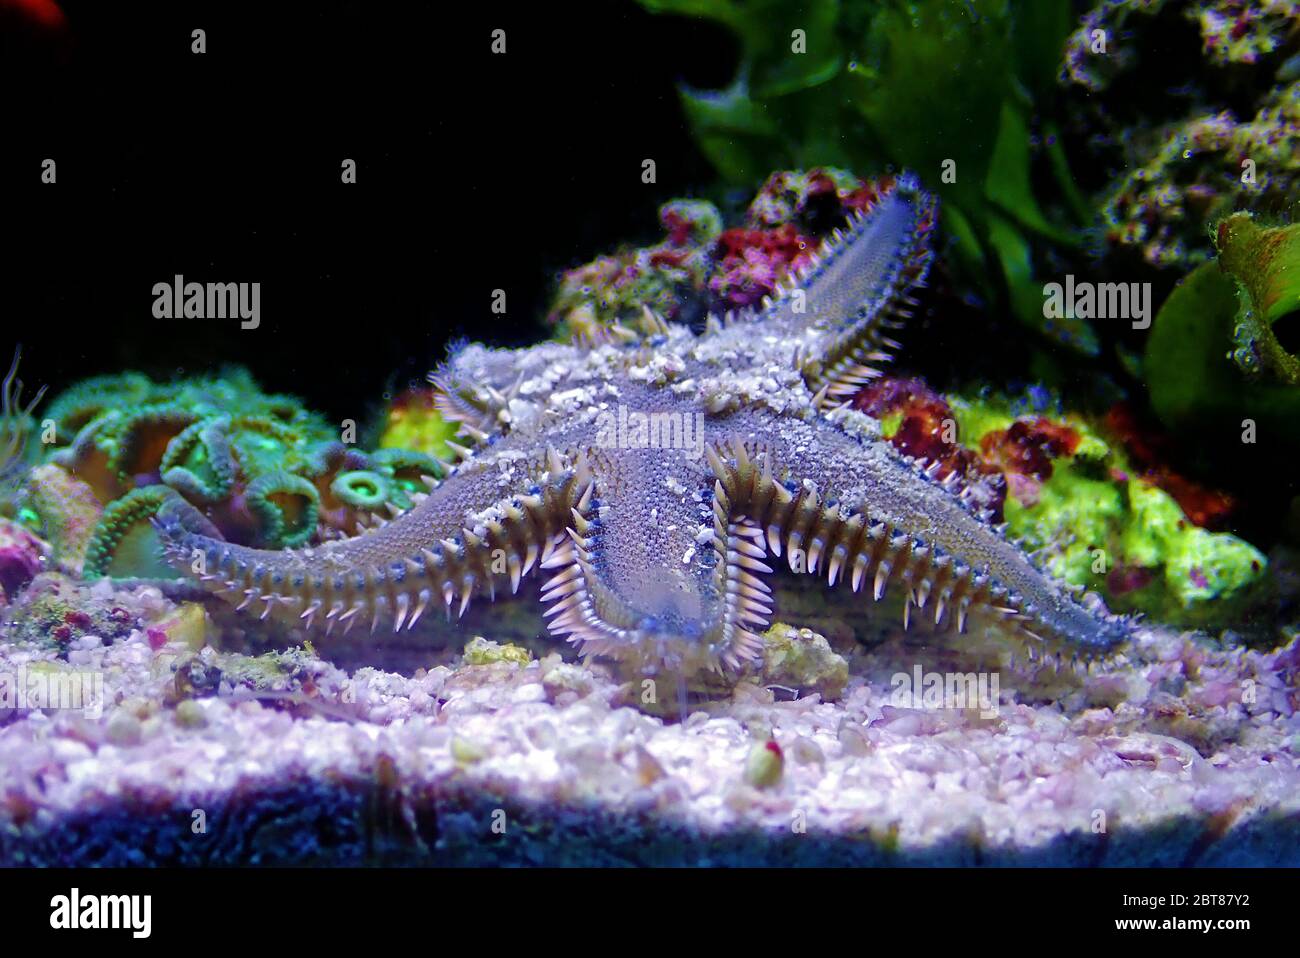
point(1023, 453)
point(1028, 446)
point(1203, 506)
point(1124, 579)
point(679, 226)
point(927, 421)
point(868, 194)
point(921, 432)
point(750, 262)
point(20, 559)
point(78, 620)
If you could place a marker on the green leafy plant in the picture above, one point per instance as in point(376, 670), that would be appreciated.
point(1222, 310)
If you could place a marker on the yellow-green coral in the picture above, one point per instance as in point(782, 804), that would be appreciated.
point(481, 651)
point(802, 659)
point(414, 423)
point(67, 513)
point(1101, 526)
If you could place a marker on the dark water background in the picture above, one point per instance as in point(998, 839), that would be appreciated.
point(475, 172)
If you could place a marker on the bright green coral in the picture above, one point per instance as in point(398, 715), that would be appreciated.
point(76, 407)
point(258, 464)
point(124, 542)
point(287, 507)
point(1101, 526)
point(113, 429)
point(199, 462)
point(1199, 566)
point(361, 488)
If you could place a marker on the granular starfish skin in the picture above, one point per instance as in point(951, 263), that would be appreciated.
point(654, 472)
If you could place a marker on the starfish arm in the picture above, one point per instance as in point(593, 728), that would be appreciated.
point(657, 571)
point(864, 514)
point(480, 388)
point(487, 524)
point(843, 308)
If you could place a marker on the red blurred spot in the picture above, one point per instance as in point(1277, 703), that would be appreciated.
point(44, 14)
point(782, 245)
point(1121, 580)
point(1149, 450)
point(78, 620)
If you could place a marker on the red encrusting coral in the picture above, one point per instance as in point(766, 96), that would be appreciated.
point(921, 432)
point(1149, 450)
point(1023, 453)
point(20, 558)
point(925, 426)
point(780, 235)
point(750, 263)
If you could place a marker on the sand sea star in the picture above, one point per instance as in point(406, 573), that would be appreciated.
point(657, 554)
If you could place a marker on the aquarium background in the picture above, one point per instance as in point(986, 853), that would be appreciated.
point(475, 174)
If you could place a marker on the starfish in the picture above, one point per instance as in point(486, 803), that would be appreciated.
point(654, 471)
